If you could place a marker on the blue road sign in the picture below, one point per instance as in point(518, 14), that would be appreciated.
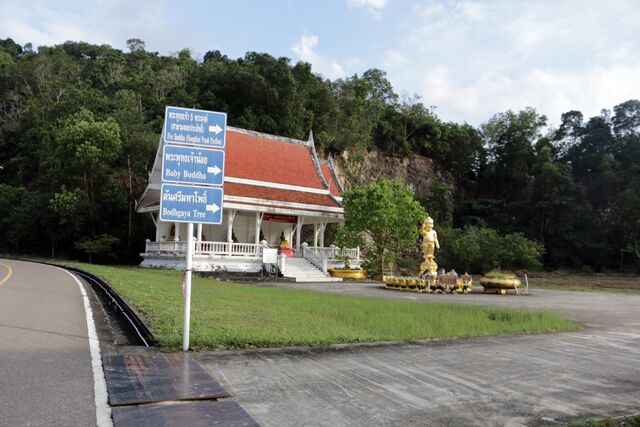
point(191, 203)
point(192, 165)
point(194, 127)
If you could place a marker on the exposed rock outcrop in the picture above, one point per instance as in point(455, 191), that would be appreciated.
point(416, 171)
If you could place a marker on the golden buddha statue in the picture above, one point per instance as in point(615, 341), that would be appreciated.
point(429, 245)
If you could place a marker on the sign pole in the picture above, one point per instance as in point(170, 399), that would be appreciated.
point(193, 159)
point(187, 288)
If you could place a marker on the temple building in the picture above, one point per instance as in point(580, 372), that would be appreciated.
point(273, 187)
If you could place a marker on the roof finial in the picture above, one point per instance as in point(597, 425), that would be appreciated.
point(310, 140)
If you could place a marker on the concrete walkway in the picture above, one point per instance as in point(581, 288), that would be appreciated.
point(540, 379)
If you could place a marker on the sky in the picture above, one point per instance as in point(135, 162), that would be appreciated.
point(469, 59)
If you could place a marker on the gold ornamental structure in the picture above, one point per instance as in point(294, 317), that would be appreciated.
point(428, 279)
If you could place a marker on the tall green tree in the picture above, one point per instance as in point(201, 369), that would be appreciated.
point(85, 150)
point(510, 139)
point(383, 219)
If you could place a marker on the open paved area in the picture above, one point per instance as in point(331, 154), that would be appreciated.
point(541, 379)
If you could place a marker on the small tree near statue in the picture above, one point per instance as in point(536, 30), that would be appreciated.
point(383, 219)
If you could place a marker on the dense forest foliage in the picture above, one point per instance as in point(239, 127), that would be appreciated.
point(79, 126)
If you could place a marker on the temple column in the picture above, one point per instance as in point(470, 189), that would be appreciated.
point(199, 235)
point(158, 229)
point(231, 216)
point(259, 216)
point(316, 230)
point(323, 226)
point(176, 231)
point(299, 231)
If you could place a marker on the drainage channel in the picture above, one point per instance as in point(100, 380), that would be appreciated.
point(135, 329)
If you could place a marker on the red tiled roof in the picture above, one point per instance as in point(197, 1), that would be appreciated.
point(328, 176)
point(260, 158)
point(255, 192)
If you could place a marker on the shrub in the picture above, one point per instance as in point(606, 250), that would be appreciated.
point(481, 249)
point(101, 245)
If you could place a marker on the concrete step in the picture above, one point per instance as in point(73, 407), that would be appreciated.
point(318, 279)
point(303, 271)
point(300, 270)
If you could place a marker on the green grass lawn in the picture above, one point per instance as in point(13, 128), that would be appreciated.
point(229, 315)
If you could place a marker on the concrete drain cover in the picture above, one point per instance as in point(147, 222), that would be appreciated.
point(136, 379)
point(203, 413)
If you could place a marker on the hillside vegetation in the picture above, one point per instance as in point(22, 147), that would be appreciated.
point(80, 123)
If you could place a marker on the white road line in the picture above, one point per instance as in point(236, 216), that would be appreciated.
point(103, 410)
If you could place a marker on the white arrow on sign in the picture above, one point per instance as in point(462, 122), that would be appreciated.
point(214, 170)
point(215, 129)
point(212, 208)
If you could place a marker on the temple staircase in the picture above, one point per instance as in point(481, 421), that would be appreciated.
point(304, 271)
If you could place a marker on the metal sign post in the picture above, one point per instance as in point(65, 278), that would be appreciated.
point(187, 288)
point(193, 179)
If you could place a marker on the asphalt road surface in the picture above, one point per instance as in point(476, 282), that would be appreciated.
point(46, 376)
point(537, 379)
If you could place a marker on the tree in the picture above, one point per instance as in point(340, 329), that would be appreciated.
point(383, 219)
point(627, 117)
point(481, 249)
point(85, 149)
point(510, 138)
point(438, 203)
point(557, 207)
point(99, 245)
point(135, 45)
point(568, 134)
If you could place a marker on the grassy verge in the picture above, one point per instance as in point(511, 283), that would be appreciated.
point(600, 282)
point(229, 315)
point(576, 288)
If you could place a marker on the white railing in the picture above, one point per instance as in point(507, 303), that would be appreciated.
point(315, 257)
point(331, 254)
point(205, 249)
point(166, 248)
point(337, 254)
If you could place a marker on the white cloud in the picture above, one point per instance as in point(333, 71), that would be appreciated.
point(473, 11)
point(374, 7)
point(394, 60)
point(53, 27)
point(106, 22)
point(550, 92)
point(429, 11)
point(305, 49)
point(475, 59)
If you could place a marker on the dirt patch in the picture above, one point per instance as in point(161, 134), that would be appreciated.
point(597, 281)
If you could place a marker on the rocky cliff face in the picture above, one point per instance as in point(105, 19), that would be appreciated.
point(416, 171)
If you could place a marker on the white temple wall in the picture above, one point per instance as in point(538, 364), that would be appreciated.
point(243, 227)
point(215, 233)
point(272, 231)
point(163, 231)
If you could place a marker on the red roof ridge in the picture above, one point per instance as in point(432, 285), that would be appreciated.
point(333, 176)
point(269, 136)
point(310, 144)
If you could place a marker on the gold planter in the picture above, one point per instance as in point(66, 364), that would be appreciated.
point(500, 282)
point(348, 274)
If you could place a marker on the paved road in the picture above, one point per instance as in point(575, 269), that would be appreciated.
point(46, 374)
point(540, 379)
